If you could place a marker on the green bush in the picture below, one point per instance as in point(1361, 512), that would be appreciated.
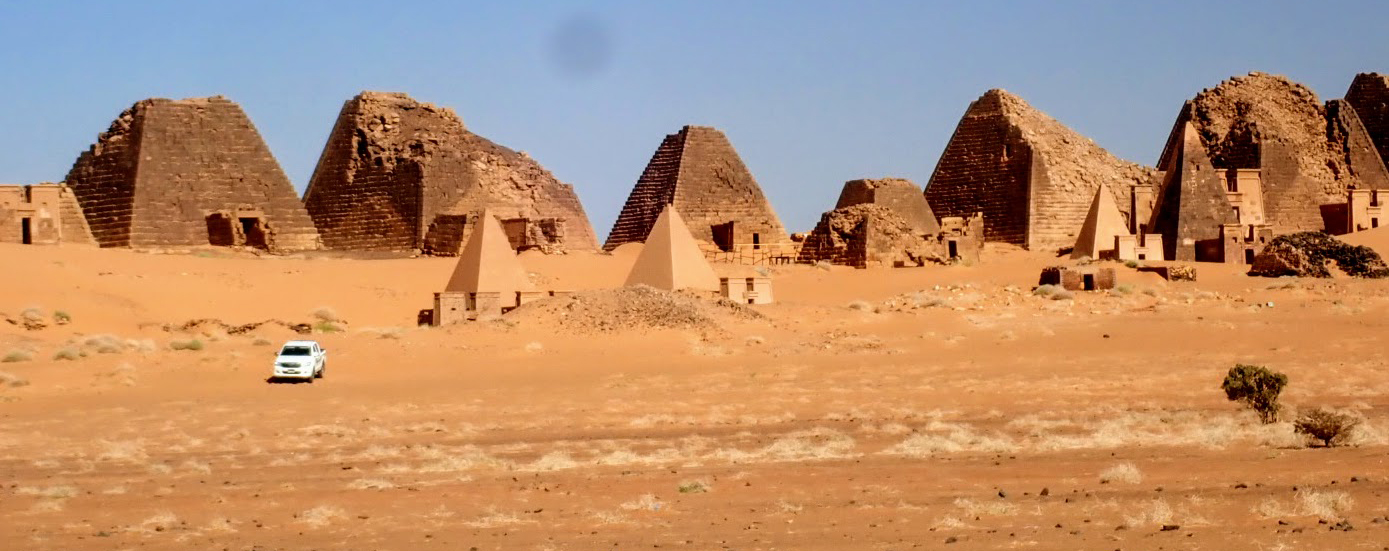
point(1257, 387)
point(191, 344)
point(62, 317)
point(1328, 427)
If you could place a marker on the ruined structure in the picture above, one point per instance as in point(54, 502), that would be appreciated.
point(186, 173)
point(887, 223)
point(400, 175)
point(1031, 177)
point(1366, 209)
point(1369, 96)
point(1259, 156)
point(671, 259)
point(746, 290)
point(43, 214)
point(1079, 278)
point(697, 171)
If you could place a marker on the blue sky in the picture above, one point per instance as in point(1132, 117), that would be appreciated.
point(812, 93)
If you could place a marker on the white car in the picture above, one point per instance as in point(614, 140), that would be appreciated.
point(300, 360)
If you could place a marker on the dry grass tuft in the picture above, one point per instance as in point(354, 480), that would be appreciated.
point(321, 516)
point(1126, 473)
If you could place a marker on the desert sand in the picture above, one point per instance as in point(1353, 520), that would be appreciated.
point(886, 409)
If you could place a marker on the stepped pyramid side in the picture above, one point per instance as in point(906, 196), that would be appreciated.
point(395, 168)
point(654, 190)
point(1031, 176)
point(710, 186)
point(1369, 95)
point(671, 258)
point(1191, 203)
point(154, 178)
point(1102, 224)
point(1354, 147)
point(487, 263)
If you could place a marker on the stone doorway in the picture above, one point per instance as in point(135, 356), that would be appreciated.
point(26, 231)
point(723, 236)
point(242, 229)
point(254, 232)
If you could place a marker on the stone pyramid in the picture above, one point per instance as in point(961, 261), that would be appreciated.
point(401, 175)
point(671, 258)
point(164, 168)
point(697, 171)
point(1031, 176)
point(1369, 95)
point(898, 194)
point(487, 263)
point(1102, 224)
point(1191, 203)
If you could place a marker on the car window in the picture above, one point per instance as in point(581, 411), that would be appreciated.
point(296, 351)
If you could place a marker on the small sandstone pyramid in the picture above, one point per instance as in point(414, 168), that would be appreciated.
point(1191, 205)
point(1103, 223)
point(1369, 95)
point(487, 264)
point(671, 258)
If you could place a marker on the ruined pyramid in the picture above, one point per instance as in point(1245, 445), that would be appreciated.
point(671, 258)
point(186, 173)
point(1102, 224)
point(1031, 176)
point(487, 263)
point(400, 175)
point(1308, 154)
point(697, 171)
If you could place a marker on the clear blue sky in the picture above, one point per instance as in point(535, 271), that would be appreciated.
point(811, 93)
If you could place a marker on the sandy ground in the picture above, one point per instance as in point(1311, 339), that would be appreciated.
point(939, 407)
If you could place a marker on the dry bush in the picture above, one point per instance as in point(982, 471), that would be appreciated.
point(192, 345)
point(17, 355)
point(12, 380)
point(1053, 292)
point(694, 487)
point(69, 353)
point(1326, 426)
point(1126, 473)
point(1326, 505)
point(862, 306)
point(321, 516)
point(326, 314)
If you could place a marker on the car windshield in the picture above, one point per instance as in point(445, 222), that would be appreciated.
point(295, 351)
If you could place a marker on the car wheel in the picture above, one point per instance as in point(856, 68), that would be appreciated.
point(309, 379)
point(319, 374)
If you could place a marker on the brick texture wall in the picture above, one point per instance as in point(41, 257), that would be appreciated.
point(1369, 94)
point(900, 195)
point(1354, 146)
point(698, 171)
point(165, 165)
point(394, 168)
point(1191, 204)
point(986, 167)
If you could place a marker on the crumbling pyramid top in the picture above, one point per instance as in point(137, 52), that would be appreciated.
point(898, 194)
point(487, 263)
point(1103, 223)
point(671, 259)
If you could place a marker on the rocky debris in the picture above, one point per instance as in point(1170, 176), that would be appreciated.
point(205, 323)
point(1308, 254)
point(632, 308)
point(862, 233)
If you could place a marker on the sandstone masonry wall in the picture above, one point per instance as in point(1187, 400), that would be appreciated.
point(152, 179)
point(1369, 95)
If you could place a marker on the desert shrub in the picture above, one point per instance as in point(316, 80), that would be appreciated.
point(261, 341)
point(326, 326)
point(68, 353)
point(1054, 292)
point(1126, 473)
point(31, 315)
point(14, 356)
point(326, 314)
point(862, 306)
point(694, 487)
point(10, 379)
point(193, 345)
point(1123, 289)
point(1326, 426)
point(1132, 264)
point(1257, 387)
point(62, 317)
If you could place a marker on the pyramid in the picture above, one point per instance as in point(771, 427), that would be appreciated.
point(1031, 176)
point(400, 175)
point(1308, 154)
point(1102, 224)
point(487, 263)
point(899, 194)
point(697, 171)
point(1369, 95)
point(671, 258)
point(1191, 203)
point(187, 173)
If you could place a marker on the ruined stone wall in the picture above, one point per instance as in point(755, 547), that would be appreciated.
point(52, 215)
point(394, 166)
point(1031, 176)
point(165, 165)
point(902, 196)
point(698, 171)
point(1369, 94)
point(103, 179)
point(869, 234)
